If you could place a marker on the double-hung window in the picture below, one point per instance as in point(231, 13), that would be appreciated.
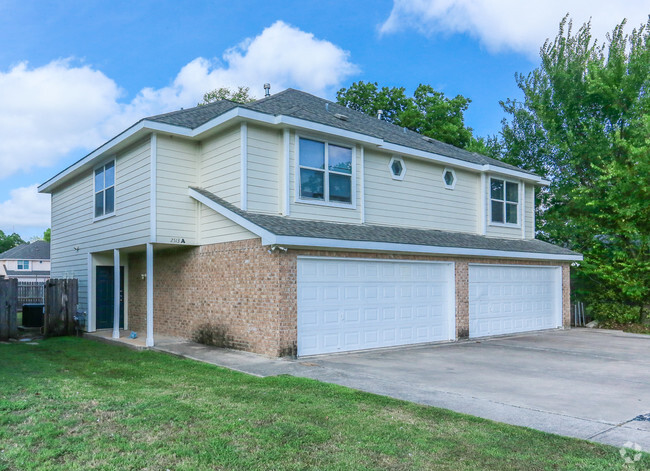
point(504, 201)
point(23, 264)
point(325, 172)
point(105, 189)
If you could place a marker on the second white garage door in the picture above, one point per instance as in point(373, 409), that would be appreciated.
point(351, 304)
point(505, 299)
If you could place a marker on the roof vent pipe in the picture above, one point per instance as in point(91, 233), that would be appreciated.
point(380, 114)
point(267, 89)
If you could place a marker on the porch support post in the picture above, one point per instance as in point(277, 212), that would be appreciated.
point(116, 293)
point(149, 294)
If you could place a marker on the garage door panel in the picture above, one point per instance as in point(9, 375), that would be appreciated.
point(509, 299)
point(368, 304)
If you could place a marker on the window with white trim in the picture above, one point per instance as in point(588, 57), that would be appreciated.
point(449, 178)
point(325, 171)
point(504, 201)
point(23, 264)
point(105, 189)
point(397, 168)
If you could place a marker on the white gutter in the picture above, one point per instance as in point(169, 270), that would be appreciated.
point(268, 238)
point(280, 120)
point(312, 242)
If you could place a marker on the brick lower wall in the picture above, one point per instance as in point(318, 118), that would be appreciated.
point(252, 294)
point(237, 286)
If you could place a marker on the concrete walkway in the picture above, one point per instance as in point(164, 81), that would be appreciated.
point(590, 384)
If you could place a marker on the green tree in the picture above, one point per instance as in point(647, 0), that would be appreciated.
point(583, 124)
point(369, 98)
point(9, 241)
point(241, 95)
point(428, 112)
point(47, 235)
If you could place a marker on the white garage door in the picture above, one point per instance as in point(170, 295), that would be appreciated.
point(509, 299)
point(358, 304)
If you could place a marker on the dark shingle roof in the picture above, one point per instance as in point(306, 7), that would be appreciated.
point(194, 117)
point(38, 250)
point(302, 105)
point(283, 226)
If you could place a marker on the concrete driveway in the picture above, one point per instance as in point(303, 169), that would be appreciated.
point(583, 383)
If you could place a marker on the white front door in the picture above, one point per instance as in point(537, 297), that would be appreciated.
point(505, 299)
point(352, 304)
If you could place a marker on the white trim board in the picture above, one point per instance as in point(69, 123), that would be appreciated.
point(145, 126)
point(268, 238)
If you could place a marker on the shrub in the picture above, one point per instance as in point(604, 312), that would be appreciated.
point(617, 312)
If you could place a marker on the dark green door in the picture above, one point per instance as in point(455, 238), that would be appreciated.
point(104, 297)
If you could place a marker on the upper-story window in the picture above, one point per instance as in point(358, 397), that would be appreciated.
point(105, 189)
point(325, 171)
point(23, 264)
point(397, 168)
point(504, 201)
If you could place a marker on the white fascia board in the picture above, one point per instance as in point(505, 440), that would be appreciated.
point(218, 121)
point(312, 126)
point(514, 173)
point(310, 242)
point(388, 146)
point(461, 163)
point(138, 128)
point(268, 238)
point(404, 150)
point(46, 187)
point(243, 113)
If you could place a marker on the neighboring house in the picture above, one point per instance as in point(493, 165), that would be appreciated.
point(27, 262)
point(297, 226)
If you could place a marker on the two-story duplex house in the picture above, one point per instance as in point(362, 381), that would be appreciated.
point(298, 226)
point(27, 262)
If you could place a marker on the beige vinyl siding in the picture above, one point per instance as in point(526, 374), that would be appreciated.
point(316, 211)
point(530, 211)
point(177, 169)
point(216, 228)
point(73, 224)
point(264, 154)
point(220, 173)
point(220, 165)
point(506, 232)
point(420, 199)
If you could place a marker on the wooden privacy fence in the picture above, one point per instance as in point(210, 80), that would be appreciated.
point(31, 292)
point(61, 297)
point(8, 308)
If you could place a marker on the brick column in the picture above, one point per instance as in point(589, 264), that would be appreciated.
point(462, 300)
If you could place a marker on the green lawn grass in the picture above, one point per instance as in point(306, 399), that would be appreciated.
point(75, 404)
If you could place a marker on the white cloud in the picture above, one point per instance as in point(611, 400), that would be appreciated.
point(514, 25)
point(49, 111)
point(25, 208)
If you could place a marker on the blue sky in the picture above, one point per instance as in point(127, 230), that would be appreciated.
point(74, 74)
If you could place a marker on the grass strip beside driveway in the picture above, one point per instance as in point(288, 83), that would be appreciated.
point(70, 403)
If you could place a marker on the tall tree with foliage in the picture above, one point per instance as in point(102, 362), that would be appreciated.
point(584, 124)
point(241, 95)
point(9, 241)
point(47, 235)
point(428, 112)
